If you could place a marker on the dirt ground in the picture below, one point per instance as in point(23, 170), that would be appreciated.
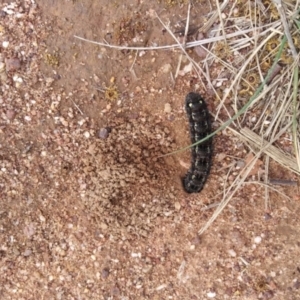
point(88, 208)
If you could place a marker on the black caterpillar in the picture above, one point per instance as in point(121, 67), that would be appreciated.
point(200, 127)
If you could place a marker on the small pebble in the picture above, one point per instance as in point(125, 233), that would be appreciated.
point(27, 252)
point(296, 284)
point(267, 216)
point(2, 67)
point(12, 64)
point(105, 273)
point(200, 51)
point(232, 253)
point(5, 44)
point(196, 240)
point(10, 114)
point(168, 108)
point(211, 294)
point(42, 218)
point(103, 133)
point(177, 205)
point(240, 164)
point(236, 12)
point(86, 134)
point(257, 240)
point(103, 226)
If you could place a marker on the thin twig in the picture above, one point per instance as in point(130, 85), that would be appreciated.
point(178, 66)
point(187, 25)
point(136, 54)
point(283, 182)
point(77, 107)
point(281, 11)
point(207, 207)
point(220, 18)
point(267, 192)
point(213, 18)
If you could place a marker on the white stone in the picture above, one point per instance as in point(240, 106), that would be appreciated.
point(5, 44)
point(257, 240)
point(211, 294)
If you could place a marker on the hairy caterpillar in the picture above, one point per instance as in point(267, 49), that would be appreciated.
point(200, 127)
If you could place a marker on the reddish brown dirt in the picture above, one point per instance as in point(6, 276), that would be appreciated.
point(88, 218)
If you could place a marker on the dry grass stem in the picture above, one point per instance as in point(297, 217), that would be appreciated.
point(283, 182)
point(287, 32)
point(286, 161)
point(230, 192)
point(205, 28)
point(267, 193)
point(188, 45)
point(77, 107)
point(187, 24)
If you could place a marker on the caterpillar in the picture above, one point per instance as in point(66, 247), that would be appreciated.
point(200, 127)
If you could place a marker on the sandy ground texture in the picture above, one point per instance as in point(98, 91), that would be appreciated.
point(88, 208)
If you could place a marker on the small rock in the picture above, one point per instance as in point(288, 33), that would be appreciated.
point(267, 216)
point(257, 240)
point(168, 108)
point(10, 114)
point(42, 218)
point(211, 294)
point(177, 205)
point(196, 240)
point(27, 252)
point(296, 284)
point(12, 64)
point(240, 164)
point(105, 273)
point(103, 226)
point(2, 13)
point(220, 156)
point(200, 51)
point(103, 133)
point(186, 69)
point(5, 44)
point(232, 253)
point(86, 134)
point(115, 291)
